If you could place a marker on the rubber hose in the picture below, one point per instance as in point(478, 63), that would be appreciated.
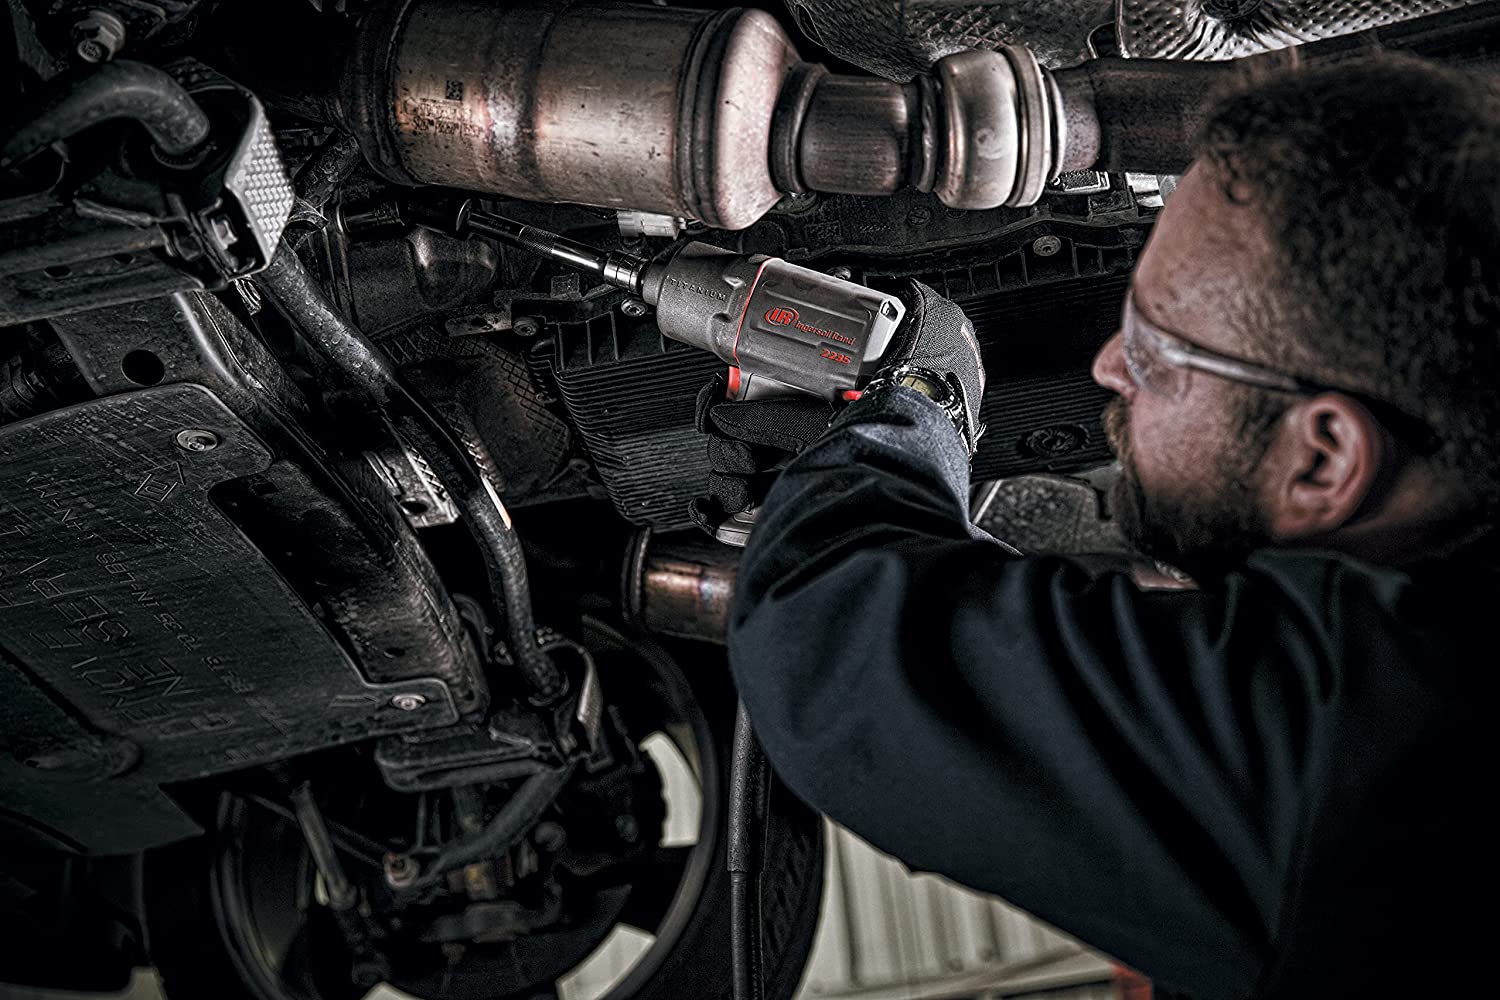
point(500, 834)
point(320, 177)
point(316, 183)
point(301, 298)
point(749, 784)
point(118, 90)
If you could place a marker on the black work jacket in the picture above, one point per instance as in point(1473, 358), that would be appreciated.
point(1274, 786)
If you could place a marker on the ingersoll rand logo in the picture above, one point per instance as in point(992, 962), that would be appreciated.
point(786, 316)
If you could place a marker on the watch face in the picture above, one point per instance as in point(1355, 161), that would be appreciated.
point(932, 388)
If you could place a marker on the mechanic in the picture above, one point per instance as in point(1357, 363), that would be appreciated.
point(1270, 785)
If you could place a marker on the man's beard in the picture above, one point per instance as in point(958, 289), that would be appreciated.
point(1203, 528)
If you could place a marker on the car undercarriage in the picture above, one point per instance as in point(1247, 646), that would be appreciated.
point(352, 622)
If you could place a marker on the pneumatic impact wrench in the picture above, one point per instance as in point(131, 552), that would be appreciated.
point(780, 328)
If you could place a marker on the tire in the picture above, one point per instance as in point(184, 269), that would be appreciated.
point(213, 924)
point(792, 886)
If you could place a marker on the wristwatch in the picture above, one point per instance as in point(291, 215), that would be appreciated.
point(936, 388)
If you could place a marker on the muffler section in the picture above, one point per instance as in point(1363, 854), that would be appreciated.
point(712, 115)
point(709, 115)
point(638, 107)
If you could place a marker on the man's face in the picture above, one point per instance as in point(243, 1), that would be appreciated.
point(1189, 487)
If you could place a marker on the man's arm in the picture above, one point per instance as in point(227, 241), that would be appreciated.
point(1126, 765)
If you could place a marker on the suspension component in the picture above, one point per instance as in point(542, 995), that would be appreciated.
point(341, 893)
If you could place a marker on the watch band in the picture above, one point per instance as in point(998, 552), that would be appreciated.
point(936, 388)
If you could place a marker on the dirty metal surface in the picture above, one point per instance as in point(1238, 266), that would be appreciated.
point(154, 635)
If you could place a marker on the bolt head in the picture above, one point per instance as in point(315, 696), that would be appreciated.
point(1046, 246)
point(197, 439)
point(98, 36)
point(400, 870)
point(842, 273)
point(634, 308)
point(526, 326)
point(408, 701)
point(628, 829)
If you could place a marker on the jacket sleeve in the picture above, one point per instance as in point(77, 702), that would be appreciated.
point(1127, 765)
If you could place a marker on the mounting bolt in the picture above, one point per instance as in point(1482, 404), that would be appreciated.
point(526, 326)
point(840, 272)
point(98, 36)
point(628, 829)
point(400, 871)
point(197, 439)
point(408, 702)
point(634, 308)
point(1046, 246)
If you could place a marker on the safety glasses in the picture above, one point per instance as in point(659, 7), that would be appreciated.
point(1162, 363)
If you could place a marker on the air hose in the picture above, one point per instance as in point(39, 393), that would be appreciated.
point(749, 786)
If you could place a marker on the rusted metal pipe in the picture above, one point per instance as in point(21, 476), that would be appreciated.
point(877, 117)
point(712, 115)
point(625, 106)
point(680, 586)
point(1145, 114)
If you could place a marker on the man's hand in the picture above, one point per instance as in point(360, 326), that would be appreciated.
point(749, 442)
point(937, 339)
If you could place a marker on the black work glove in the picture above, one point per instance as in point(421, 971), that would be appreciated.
point(937, 337)
point(749, 442)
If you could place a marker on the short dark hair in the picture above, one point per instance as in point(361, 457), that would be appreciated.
point(1379, 186)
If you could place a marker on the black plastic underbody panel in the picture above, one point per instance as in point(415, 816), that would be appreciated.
point(143, 639)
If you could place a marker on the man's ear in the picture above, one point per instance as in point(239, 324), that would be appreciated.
point(1323, 466)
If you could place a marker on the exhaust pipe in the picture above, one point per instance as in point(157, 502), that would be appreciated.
point(709, 115)
point(679, 585)
point(1145, 114)
point(713, 115)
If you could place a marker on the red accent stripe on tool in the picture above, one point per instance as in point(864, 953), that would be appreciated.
point(850, 395)
point(735, 350)
point(734, 382)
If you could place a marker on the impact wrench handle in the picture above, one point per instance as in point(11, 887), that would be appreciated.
point(781, 328)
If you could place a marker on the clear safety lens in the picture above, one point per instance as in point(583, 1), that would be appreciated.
point(1149, 355)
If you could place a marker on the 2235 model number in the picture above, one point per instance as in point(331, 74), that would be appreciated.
point(842, 359)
